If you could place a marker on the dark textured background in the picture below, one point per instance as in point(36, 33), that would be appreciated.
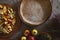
point(52, 25)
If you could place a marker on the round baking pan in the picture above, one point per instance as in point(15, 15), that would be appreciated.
point(35, 12)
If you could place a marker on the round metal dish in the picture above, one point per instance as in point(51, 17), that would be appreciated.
point(35, 12)
point(17, 25)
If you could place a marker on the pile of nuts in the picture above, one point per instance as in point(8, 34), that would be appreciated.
point(7, 18)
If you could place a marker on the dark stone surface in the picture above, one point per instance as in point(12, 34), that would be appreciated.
point(52, 25)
